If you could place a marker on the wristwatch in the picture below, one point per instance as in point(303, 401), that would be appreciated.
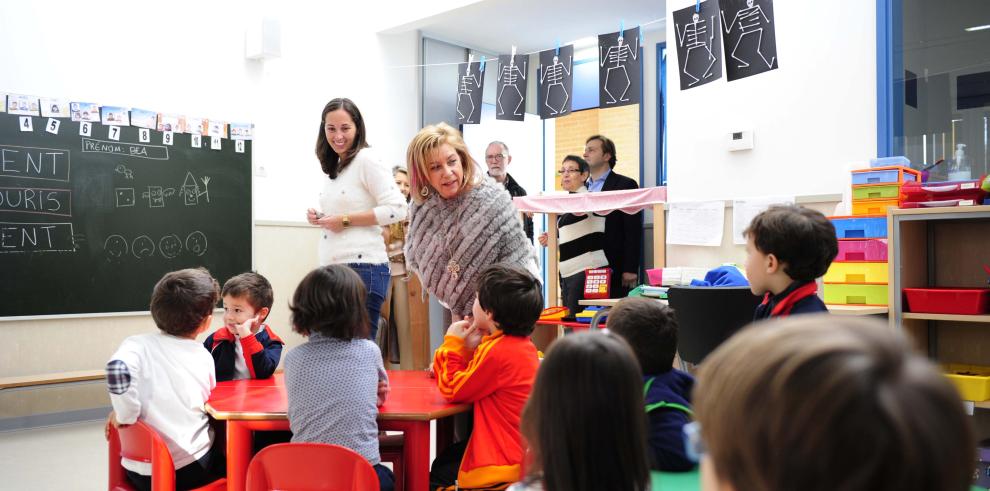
point(346, 221)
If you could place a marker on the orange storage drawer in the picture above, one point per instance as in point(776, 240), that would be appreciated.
point(872, 206)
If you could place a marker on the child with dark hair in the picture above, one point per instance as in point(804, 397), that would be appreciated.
point(820, 403)
point(651, 330)
point(488, 359)
point(787, 248)
point(584, 421)
point(336, 380)
point(165, 378)
point(245, 347)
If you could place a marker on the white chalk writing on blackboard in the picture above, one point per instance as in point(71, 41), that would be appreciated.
point(36, 201)
point(136, 150)
point(169, 246)
point(125, 197)
point(36, 237)
point(51, 164)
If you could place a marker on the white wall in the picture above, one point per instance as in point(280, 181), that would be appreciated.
point(813, 117)
point(188, 57)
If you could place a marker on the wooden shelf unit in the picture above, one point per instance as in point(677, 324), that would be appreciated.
point(947, 317)
point(940, 247)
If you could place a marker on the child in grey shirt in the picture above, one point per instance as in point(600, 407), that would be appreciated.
point(336, 381)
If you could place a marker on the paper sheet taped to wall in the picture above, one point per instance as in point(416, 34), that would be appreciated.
point(698, 223)
point(744, 210)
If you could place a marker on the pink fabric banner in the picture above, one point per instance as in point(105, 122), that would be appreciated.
point(627, 201)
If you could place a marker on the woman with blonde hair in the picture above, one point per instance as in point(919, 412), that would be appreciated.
point(459, 222)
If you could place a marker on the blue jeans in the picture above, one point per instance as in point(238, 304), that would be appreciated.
point(386, 480)
point(376, 279)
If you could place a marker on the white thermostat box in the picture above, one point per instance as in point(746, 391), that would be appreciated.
point(741, 140)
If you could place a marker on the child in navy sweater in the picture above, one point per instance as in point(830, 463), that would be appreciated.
point(245, 347)
point(787, 248)
point(651, 331)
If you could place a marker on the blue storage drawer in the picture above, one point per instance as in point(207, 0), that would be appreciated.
point(884, 175)
point(862, 227)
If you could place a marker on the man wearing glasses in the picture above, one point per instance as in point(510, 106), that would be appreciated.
point(498, 158)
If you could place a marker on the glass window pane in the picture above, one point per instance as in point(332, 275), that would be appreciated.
point(944, 90)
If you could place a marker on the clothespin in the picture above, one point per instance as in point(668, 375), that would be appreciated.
point(697, 6)
point(622, 27)
point(512, 60)
point(557, 51)
point(641, 39)
point(482, 67)
point(470, 60)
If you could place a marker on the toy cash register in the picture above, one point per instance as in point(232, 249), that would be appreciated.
point(596, 283)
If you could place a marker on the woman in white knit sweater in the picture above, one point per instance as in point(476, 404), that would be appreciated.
point(460, 221)
point(359, 196)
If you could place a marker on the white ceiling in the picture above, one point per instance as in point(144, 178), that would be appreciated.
point(532, 25)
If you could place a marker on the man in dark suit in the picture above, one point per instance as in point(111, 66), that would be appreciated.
point(622, 231)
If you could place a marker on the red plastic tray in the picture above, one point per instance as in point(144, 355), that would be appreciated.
point(962, 301)
point(915, 192)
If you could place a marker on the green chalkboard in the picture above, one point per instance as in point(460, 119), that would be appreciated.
point(89, 224)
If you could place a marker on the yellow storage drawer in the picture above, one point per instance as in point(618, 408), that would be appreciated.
point(855, 294)
point(972, 381)
point(857, 272)
point(873, 206)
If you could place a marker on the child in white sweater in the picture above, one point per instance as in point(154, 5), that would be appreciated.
point(165, 378)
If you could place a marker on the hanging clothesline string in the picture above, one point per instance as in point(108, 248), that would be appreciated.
point(654, 21)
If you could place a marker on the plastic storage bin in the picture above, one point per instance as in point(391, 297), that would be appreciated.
point(889, 161)
point(855, 294)
point(972, 381)
point(860, 227)
point(862, 250)
point(961, 301)
point(942, 191)
point(856, 272)
point(872, 206)
point(883, 175)
point(876, 191)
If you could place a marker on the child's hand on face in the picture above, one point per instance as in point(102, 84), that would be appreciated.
point(245, 328)
point(473, 339)
point(461, 328)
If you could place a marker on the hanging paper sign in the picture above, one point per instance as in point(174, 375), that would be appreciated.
point(619, 68)
point(749, 37)
point(470, 86)
point(699, 44)
point(556, 82)
point(510, 103)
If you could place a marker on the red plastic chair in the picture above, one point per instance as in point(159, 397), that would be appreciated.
point(310, 466)
point(140, 442)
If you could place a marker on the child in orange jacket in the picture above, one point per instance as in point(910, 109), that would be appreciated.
point(489, 360)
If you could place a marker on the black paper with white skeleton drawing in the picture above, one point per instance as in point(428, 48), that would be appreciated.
point(510, 102)
point(749, 37)
point(470, 87)
point(556, 83)
point(699, 44)
point(619, 68)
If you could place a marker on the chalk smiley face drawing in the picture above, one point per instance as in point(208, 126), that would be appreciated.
point(143, 247)
point(115, 247)
point(170, 246)
point(196, 243)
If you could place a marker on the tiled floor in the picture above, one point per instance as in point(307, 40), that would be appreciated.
point(68, 457)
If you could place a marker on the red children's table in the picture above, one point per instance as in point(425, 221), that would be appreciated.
point(262, 405)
